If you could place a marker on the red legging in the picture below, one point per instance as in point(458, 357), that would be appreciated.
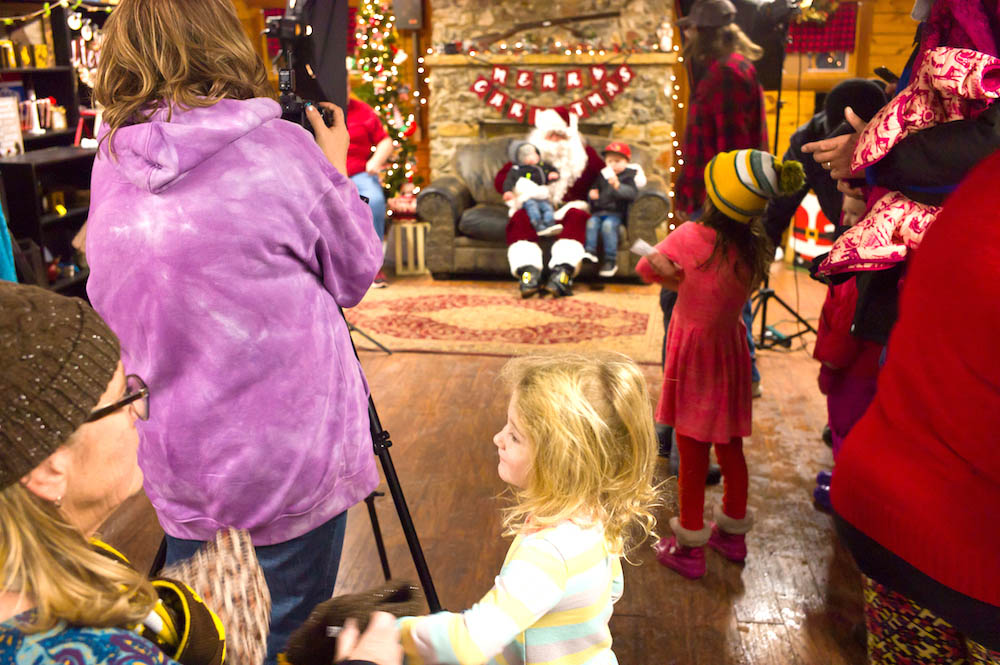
point(694, 456)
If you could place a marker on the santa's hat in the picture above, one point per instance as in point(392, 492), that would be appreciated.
point(556, 120)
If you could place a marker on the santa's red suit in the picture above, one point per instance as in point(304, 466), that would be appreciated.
point(578, 165)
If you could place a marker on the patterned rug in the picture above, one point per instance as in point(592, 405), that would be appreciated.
point(493, 319)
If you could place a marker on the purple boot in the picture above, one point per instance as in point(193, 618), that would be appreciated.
point(729, 536)
point(683, 552)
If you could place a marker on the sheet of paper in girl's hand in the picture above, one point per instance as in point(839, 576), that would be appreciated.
point(642, 248)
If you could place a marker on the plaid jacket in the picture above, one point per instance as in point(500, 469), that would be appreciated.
point(726, 113)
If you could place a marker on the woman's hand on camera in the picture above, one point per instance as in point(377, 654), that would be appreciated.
point(378, 644)
point(333, 141)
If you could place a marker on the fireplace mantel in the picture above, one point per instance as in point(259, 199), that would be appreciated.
point(551, 59)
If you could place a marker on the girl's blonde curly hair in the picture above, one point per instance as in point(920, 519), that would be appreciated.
point(593, 448)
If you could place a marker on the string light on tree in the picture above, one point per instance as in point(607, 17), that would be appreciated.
point(377, 56)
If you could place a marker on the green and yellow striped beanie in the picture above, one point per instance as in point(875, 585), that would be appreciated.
point(740, 182)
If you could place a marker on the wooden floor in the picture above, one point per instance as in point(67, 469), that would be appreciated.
point(795, 601)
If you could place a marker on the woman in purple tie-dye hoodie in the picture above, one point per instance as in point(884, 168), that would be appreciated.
point(221, 241)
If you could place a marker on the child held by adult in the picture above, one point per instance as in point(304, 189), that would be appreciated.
point(526, 187)
point(615, 188)
point(714, 264)
point(578, 451)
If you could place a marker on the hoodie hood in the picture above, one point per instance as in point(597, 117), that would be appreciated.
point(154, 155)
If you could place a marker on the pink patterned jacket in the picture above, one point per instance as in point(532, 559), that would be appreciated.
point(950, 85)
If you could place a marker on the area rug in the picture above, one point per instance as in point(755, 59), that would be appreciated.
point(493, 319)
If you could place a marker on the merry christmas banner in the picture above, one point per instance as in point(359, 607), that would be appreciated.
point(605, 84)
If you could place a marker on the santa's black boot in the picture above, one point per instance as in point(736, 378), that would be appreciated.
point(561, 281)
point(530, 280)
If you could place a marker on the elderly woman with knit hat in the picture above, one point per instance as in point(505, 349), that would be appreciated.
point(68, 446)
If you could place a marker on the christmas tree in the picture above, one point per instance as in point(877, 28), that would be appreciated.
point(377, 60)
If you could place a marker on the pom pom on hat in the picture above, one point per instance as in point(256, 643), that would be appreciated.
point(740, 182)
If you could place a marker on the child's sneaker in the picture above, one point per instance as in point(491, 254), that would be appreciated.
point(733, 546)
point(688, 561)
point(590, 257)
point(608, 269)
point(553, 230)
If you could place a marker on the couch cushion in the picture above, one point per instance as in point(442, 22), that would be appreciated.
point(484, 222)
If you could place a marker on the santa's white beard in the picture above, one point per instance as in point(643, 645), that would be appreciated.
point(568, 157)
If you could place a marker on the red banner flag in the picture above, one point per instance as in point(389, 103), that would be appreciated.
point(481, 87)
point(625, 74)
point(549, 81)
point(611, 88)
point(497, 100)
point(598, 73)
point(525, 79)
point(574, 79)
point(596, 101)
point(579, 107)
point(532, 110)
point(517, 111)
point(500, 75)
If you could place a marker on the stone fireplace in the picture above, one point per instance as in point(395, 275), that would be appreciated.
point(642, 114)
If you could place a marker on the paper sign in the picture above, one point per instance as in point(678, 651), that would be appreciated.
point(642, 248)
point(11, 142)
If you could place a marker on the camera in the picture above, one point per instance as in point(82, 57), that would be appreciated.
point(293, 107)
point(313, 54)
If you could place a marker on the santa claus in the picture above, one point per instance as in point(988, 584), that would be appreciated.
point(560, 144)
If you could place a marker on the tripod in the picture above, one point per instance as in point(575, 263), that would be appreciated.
point(382, 442)
point(769, 337)
point(354, 329)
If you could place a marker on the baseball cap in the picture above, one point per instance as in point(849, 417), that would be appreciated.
point(709, 14)
point(620, 148)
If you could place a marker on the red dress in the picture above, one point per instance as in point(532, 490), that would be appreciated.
point(706, 378)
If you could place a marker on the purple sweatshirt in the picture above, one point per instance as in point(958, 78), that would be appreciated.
point(220, 244)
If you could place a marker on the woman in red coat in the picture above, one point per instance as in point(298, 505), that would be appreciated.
point(917, 487)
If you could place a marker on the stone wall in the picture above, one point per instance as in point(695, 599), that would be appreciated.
point(642, 115)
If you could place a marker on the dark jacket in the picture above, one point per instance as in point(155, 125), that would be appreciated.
point(538, 174)
point(611, 200)
point(780, 211)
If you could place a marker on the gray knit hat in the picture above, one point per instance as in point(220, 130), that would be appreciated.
point(56, 359)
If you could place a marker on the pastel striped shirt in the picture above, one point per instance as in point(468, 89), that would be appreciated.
point(550, 604)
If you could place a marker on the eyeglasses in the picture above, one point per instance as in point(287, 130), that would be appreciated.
point(136, 394)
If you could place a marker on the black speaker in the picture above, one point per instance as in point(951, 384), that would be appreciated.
point(409, 14)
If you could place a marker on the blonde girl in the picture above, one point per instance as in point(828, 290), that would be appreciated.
point(578, 451)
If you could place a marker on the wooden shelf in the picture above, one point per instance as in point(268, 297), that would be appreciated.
point(488, 59)
point(72, 213)
point(50, 134)
point(50, 155)
point(58, 69)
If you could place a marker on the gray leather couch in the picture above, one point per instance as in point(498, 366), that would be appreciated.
point(468, 217)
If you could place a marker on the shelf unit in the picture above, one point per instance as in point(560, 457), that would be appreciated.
point(50, 161)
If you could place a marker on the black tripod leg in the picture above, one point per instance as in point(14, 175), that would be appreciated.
point(371, 339)
point(377, 532)
point(798, 316)
point(382, 442)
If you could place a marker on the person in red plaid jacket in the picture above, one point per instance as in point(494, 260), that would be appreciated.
point(726, 111)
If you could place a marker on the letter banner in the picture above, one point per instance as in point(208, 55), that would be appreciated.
point(597, 74)
point(525, 79)
point(549, 81)
point(481, 87)
point(574, 79)
point(499, 75)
